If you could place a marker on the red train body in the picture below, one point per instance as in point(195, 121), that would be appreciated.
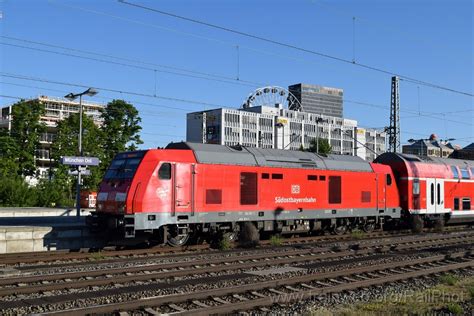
point(199, 189)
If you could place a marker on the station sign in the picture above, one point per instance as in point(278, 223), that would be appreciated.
point(84, 172)
point(79, 161)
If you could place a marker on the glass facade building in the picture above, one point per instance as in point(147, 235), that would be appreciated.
point(318, 99)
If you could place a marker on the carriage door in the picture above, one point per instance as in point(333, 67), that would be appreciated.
point(183, 180)
point(430, 196)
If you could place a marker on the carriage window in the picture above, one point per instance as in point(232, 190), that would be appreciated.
point(432, 193)
point(455, 171)
point(277, 176)
point(389, 179)
point(213, 196)
point(248, 188)
point(165, 171)
point(464, 173)
point(334, 189)
point(416, 187)
point(312, 177)
point(265, 176)
point(456, 203)
point(466, 204)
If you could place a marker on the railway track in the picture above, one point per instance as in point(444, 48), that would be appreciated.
point(59, 289)
point(251, 296)
point(110, 254)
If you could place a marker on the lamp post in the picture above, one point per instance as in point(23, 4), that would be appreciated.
point(345, 133)
point(318, 120)
point(72, 96)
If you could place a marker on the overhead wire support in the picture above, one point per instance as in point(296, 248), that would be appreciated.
point(394, 128)
point(302, 49)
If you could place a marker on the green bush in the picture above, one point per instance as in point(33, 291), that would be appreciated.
point(357, 234)
point(14, 191)
point(449, 279)
point(224, 243)
point(455, 309)
point(276, 240)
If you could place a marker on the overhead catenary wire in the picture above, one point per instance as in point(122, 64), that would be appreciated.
point(298, 48)
point(22, 77)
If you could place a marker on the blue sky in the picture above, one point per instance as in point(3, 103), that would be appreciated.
point(428, 40)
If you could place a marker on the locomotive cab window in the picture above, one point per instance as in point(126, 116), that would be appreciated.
point(277, 176)
point(312, 177)
point(335, 189)
point(389, 179)
point(265, 176)
point(165, 171)
point(248, 188)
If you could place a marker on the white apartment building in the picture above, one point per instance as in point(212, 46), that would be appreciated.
point(276, 127)
point(56, 109)
point(370, 143)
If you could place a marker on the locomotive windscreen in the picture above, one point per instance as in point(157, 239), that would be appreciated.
point(124, 165)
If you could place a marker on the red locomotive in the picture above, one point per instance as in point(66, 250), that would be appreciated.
point(191, 189)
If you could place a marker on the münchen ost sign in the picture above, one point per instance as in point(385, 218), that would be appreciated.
point(80, 161)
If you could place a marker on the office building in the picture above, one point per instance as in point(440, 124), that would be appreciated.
point(318, 99)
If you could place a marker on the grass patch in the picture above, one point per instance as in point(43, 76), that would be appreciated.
point(449, 279)
point(276, 240)
point(357, 234)
point(447, 296)
point(455, 308)
point(98, 255)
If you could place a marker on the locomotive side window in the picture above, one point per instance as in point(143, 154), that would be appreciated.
point(165, 171)
point(456, 204)
point(472, 172)
point(248, 188)
point(455, 171)
point(464, 173)
point(213, 196)
point(265, 176)
point(466, 203)
point(365, 196)
point(322, 178)
point(312, 177)
point(335, 189)
point(277, 176)
point(389, 179)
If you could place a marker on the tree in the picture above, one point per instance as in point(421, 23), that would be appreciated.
point(26, 131)
point(66, 144)
point(9, 152)
point(320, 144)
point(120, 129)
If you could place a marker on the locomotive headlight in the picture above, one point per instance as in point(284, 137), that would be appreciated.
point(100, 206)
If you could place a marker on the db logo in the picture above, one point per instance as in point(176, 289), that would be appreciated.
point(295, 189)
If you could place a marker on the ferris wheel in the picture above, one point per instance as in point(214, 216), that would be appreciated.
point(271, 96)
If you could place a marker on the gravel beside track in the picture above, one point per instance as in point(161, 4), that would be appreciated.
point(229, 278)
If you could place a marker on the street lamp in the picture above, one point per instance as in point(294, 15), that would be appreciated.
point(345, 133)
point(72, 96)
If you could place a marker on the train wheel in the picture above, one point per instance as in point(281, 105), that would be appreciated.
point(179, 240)
point(339, 229)
point(369, 227)
point(249, 235)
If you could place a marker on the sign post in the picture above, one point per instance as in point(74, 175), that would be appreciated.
point(80, 162)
